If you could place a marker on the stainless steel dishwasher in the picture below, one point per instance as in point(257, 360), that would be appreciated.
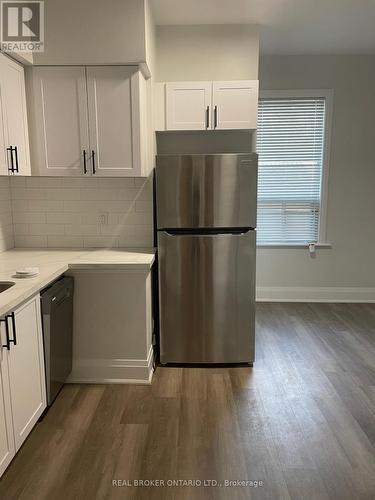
point(57, 318)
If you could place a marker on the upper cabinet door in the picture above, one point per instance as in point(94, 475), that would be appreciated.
point(3, 133)
point(15, 116)
point(235, 104)
point(59, 121)
point(26, 370)
point(188, 105)
point(112, 96)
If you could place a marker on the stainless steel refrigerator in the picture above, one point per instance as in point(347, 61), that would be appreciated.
point(206, 219)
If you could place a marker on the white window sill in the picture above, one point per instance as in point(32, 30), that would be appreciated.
point(302, 246)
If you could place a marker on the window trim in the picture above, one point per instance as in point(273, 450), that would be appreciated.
point(328, 95)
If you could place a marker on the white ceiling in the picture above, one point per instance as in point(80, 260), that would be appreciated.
point(286, 26)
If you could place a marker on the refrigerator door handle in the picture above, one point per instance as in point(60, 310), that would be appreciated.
point(207, 232)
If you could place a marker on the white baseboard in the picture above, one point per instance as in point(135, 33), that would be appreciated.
point(112, 371)
point(315, 294)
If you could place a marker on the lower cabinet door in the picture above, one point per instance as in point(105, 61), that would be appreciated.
point(7, 447)
point(26, 369)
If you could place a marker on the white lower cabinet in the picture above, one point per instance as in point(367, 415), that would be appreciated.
point(7, 446)
point(112, 326)
point(22, 388)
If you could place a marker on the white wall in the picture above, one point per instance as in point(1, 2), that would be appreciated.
point(63, 212)
point(207, 52)
point(351, 190)
point(93, 32)
point(6, 224)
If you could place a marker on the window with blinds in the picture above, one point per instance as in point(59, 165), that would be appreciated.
point(290, 143)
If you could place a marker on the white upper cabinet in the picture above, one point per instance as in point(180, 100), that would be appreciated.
point(110, 91)
point(14, 138)
point(235, 104)
point(188, 105)
point(60, 136)
point(206, 105)
point(89, 121)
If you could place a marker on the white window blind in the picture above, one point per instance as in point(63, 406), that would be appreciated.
point(290, 144)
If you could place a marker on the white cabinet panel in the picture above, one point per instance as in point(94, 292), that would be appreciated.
point(90, 121)
point(3, 151)
point(188, 105)
point(206, 105)
point(16, 114)
point(13, 126)
point(110, 92)
point(26, 370)
point(123, 310)
point(235, 104)
point(61, 121)
point(7, 446)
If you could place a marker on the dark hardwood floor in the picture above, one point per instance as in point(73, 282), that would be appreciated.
point(302, 421)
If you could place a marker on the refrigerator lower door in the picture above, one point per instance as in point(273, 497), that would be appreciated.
point(207, 297)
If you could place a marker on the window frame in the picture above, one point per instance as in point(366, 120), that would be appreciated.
point(327, 94)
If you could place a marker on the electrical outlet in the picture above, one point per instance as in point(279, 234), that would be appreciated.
point(103, 218)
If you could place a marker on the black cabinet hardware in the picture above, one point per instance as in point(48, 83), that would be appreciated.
point(93, 161)
point(215, 117)
point(13, 318)
point(11, 168)
point(15, 149)
point(207, 116)
point(7, 345)
point(84, 162)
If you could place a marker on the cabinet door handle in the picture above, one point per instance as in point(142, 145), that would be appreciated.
point(7, 345)
point(13, 318)
point(215, 117)
point(207, 117)
point(16, 154)
point(84, 162)
point(93, 161)
point(10, 150)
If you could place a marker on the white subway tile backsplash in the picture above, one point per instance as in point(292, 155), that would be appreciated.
point(43, 182)
point(100, 241)
point(113, 182)
point(43, 205)
point(63, 218)
point(28, 194)
point(92, 218)
point(30, 241)
point(136, 236)
point(49, 229)
point(17, 182)
point(135, 219)
point(82, 229)
point(6, 222)
point(64, 212)
point(143, 206)
point(79, 182)
point(30, 217)
point(63, 194)
point(55, 241)
point(21, 229)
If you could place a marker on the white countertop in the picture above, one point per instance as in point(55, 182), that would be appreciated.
point(54, 262)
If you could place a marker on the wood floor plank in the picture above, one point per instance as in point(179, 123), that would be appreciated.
point(302, 422)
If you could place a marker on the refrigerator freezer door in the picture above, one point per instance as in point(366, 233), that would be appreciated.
point(202, 191)
point(207, 294)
